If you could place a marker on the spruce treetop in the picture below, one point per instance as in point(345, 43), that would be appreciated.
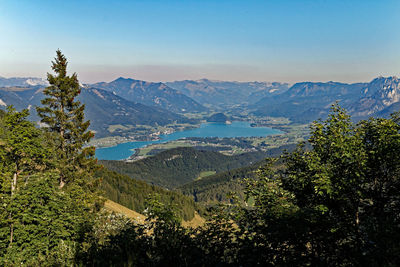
point(64, 116)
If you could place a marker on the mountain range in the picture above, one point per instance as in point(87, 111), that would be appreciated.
point(129, 101)
point(20, 97)
point(151, 94)
point(21, 82)
point(381, 96)
point(223, 94)
point(103, 108)
point(307, 101)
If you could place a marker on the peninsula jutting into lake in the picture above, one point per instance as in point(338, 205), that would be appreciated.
point(221, 130)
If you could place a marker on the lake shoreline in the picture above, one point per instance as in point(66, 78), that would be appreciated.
point(112, 141)
point(125, 150)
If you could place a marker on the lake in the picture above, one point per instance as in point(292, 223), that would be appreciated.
point(236, 129)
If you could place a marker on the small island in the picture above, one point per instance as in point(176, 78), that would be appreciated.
point(219, 117)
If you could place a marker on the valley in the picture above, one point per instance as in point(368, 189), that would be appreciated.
point(134, 120)
point(290, 134)
point(200, 166)
point(199, 133)
point(224, 132)
point(194, 137)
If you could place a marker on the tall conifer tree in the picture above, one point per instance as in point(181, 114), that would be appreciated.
point(64, 116)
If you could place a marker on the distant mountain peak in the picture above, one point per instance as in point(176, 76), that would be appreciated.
point(151, 93)
point(22, 81)
point(205, 80)
point(122, 79)
point(224, 93)
point(381, 84)
point(388, 79)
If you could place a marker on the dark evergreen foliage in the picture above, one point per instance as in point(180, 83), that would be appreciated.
point(178, 166)
point(64, 116)
point(218, 117)
point(43, 223)
point(218, 187)
point(133, 193)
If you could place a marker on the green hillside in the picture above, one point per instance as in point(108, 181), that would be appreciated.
point(132, 193)
point(215, 188)
point(175, 167)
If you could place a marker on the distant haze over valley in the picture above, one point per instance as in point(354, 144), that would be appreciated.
point(129, 101)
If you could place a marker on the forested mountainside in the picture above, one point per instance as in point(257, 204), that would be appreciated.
point(307, 101)
point(218, 117)
point(219, 187)
point(174, 167)
point(147, 93)
point(152, 94)
point(134, 194)
point(103, 108)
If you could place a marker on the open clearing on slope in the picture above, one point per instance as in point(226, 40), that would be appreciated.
point(205, 174)
point(117, 208)
point(140, 218)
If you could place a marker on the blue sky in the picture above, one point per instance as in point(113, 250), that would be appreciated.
point(286, 40)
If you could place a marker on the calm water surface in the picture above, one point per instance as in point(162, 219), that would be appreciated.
point(236, 129)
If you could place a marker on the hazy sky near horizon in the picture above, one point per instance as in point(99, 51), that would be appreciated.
point(270, 40)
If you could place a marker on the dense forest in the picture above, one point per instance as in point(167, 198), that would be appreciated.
point(134, 194)
point(175, 167)
point(219, 187)
point(333, 203)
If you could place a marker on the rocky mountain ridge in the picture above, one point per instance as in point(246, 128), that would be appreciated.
point(103, 108)
point(225, 93)
point(152, 94)
point(308, 101)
